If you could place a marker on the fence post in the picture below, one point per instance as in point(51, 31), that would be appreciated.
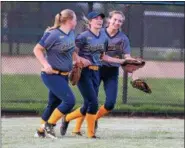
point(10, 34)
point(125, 74)
point(18, 47)
point(90, 6)
point(181, 54)
point(10, 44)
point(142, 33)
point(125, 87)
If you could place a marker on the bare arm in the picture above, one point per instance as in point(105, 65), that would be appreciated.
point(128, 56)
point(134, 68)
point(78, 59)
point(109, 59)
point(39, 53)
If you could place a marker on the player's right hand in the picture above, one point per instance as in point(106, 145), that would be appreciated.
point(47, 69)
point(85, 62)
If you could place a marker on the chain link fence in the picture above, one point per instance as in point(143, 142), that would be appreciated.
point(156, 33)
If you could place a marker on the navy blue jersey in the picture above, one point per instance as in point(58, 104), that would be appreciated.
point(59, 48)
point(91, 46)
point(117, 46)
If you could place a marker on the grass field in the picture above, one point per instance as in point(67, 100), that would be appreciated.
point(114, 133)
point(28, 92)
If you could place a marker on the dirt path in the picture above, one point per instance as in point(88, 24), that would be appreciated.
point(29, 65)
point(113, 133)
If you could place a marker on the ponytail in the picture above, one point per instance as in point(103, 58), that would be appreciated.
point(86, 22)
point(61, 18)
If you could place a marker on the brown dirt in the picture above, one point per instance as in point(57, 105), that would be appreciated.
point(30, 65)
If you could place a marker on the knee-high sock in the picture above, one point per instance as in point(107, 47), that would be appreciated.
point(55, 116)
point(90, 118)
point(101, 112)
point(78, 124)
point(73, 115)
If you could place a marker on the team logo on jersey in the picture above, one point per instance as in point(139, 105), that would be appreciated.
point(89, 38)
point(61, 37)
point(115, 46)
point(98, 47)
point(67, 46)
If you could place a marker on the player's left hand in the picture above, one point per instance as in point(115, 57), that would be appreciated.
point(75, 75)
point(132, 64)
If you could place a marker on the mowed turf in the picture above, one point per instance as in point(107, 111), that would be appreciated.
point(27, 92)
point(113, 133)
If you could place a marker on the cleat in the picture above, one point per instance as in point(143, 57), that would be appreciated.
point(96, 126)
point(64, 126)
point(94, 137)
point(49, 129)
point(39, 134)
point(76, 133)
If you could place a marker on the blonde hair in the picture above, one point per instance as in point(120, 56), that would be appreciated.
point(61, 18)
point(116, 12)
point(111, 15)
point(86, 22)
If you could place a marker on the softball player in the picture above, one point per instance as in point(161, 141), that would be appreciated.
point(118, 46)
point(91, 45)
point(59, 46)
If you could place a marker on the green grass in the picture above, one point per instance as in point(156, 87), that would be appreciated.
point(27, 92)
point(164, 91)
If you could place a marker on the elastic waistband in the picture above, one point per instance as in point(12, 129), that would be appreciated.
point(93, 67)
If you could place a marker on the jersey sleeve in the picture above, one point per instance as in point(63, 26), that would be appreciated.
point(126, 46)
point(47, 40)
point(80, 41)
